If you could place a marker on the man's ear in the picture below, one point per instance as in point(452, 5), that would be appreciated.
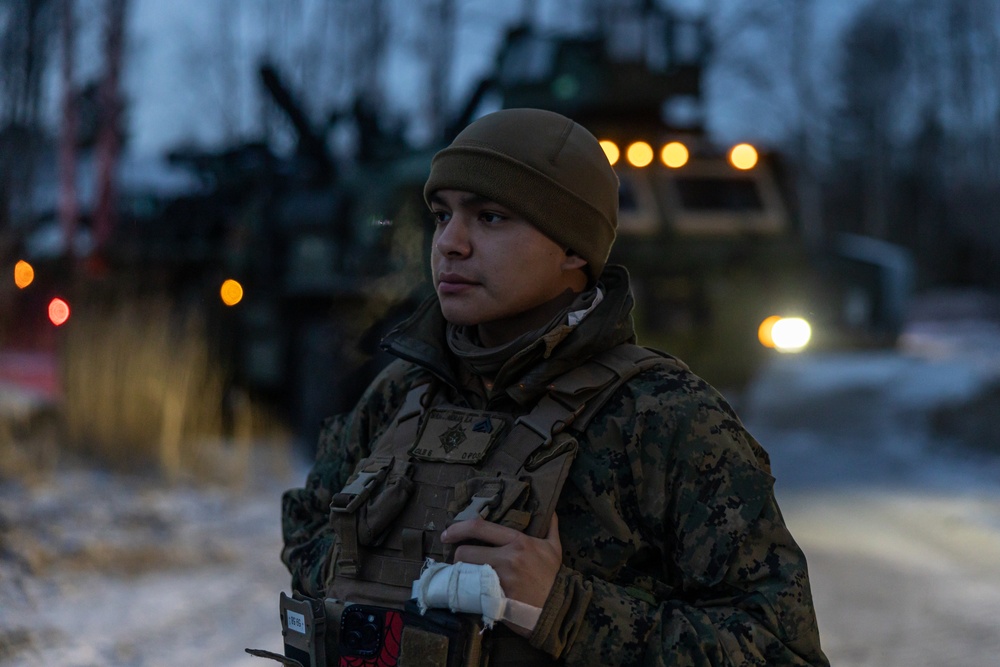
point(573, 260)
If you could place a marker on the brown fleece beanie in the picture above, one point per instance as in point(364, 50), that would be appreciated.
point(544, 167)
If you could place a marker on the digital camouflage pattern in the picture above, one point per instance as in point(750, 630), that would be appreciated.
point(674, 549)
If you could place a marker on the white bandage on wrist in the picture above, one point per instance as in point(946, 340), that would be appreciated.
point(472, 589)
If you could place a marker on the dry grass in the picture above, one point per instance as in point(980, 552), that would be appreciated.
point(143, 390)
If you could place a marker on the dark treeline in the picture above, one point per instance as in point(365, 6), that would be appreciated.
point(895, 134)
point(916, 154)
point(27, 29)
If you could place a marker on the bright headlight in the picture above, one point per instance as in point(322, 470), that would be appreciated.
point(785, 334)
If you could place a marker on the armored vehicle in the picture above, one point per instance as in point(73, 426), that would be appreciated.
point(721, 273)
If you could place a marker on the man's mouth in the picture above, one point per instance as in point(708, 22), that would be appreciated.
point(453, 283)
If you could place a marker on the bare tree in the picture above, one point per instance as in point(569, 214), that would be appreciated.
point(224, 57)
point(970, 92)
point(807, 132)
point(110, 133)
point(439, 62)
point(872, 86)
point(25, 43)
point(68, 206)
point(26, 27)
point(918, 134)
point(970, 109)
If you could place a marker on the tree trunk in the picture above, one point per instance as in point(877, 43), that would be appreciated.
point(109, 135)
point(68, 209)
point(807, 187)
point(441, 59)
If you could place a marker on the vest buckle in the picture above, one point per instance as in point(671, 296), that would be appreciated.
point(485, 499)
point(357, 491)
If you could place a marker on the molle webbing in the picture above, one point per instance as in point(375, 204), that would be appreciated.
point(390, 514)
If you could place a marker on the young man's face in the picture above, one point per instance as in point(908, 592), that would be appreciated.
point(491, 266)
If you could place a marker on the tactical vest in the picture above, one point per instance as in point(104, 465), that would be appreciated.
point(438, 463)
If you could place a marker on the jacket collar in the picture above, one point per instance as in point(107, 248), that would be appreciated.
point(421, 340)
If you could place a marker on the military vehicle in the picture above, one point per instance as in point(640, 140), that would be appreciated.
point(721, 274)
point(286, 261)
point(330, 253)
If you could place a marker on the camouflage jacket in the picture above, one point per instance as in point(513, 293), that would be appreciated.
point(674, 549)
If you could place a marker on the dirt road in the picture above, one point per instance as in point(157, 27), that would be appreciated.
point(903, 580)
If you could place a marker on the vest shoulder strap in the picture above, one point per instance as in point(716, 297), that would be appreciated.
point(571, 400)
point(623, 362)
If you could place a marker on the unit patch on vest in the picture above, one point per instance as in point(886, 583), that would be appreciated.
point(459, 436)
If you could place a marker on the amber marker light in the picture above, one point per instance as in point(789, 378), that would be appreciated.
point(231, 292)
point(639, 154)
point(743, 156)
point(611, 150)
point(674, 155)
point(24, 274)
point(764, 331)
point(58, 311)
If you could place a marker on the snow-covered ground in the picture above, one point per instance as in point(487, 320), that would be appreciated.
point(887, 466)
point(103, 570)
point(888, 473)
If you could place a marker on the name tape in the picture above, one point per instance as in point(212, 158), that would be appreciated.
point(296, 621)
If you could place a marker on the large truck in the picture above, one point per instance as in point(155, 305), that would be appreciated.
point(721, 272)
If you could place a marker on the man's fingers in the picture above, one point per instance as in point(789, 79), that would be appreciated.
point(479, 530)
point(527, 566)
point(476, 555)
point(493, 533)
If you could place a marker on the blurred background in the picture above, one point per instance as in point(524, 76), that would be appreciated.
point(210, 212)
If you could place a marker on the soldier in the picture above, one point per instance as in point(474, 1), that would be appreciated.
point(615, 497)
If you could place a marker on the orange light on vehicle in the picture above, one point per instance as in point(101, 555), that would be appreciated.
point(639, 154)
point(785, 334)
point(611, 150)
point(743, 156)
point(231, 292)
point(764, 331)
point(674, 155)
point(24, 274)
point(58, 311)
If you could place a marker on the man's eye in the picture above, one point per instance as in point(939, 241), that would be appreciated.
point(440, 217)
point(491, 218)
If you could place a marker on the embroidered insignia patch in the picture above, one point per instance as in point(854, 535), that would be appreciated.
point(458, 436)
point(452, 438)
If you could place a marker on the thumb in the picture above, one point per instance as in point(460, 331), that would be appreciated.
point(552, 536)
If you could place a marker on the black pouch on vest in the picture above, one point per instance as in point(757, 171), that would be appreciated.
point(303, 626)
point(439, 637)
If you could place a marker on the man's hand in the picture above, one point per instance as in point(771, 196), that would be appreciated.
point(527, 566)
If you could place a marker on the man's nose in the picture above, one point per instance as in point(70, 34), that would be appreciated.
point(453, 238)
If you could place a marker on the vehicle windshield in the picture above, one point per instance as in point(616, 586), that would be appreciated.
point(731, 194)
